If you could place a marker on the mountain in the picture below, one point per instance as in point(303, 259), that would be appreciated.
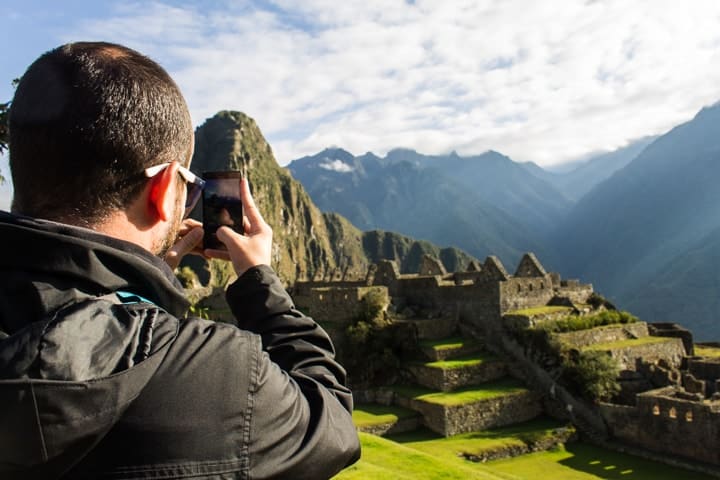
point(497, 181)
point(582, 177)
point(307, 244)
point(641, 230)
point(684, 289)
point(486, 205)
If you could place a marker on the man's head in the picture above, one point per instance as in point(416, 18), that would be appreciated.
point(86, 121)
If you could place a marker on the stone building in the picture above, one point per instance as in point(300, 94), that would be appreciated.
point(680, 418)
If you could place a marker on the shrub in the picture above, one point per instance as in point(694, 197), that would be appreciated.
point(373, 305)
point(374, 344)
point(574, 323)
point(596, 301)
point(592, 374)
point(589, 374)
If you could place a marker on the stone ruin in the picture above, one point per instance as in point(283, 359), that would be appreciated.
point(670, 400)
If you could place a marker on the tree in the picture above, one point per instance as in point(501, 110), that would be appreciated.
point(4, 133)
point(4, 107)
point(593, 374)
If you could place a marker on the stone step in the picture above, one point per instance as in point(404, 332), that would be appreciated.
point(604, 334)
point(470, 409)
point(447, 375)
point(649, 349)
point(449, 347)
point(537, 435)
point(432, 328)
point(385, 419)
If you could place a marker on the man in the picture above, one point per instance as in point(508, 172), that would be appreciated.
point(101, 376)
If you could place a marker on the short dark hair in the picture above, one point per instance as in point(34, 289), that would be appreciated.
point(86, 120)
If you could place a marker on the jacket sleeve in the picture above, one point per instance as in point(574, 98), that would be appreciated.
point(301, 423)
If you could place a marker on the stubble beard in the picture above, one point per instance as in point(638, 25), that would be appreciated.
point(164, 244)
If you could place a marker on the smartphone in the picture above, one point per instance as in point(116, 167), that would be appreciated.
point(221, 205)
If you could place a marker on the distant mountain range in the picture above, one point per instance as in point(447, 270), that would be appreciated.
point(649, 235)
point(307, 244)
point(485, 204)
point(413, 194)
point(641, 223)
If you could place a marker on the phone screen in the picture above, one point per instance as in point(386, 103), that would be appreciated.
point(221, 205)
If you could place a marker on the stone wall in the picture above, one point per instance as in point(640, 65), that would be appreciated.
point(432, 328)
point(671, 351)
point(557, 401)
point(446, 379)
point(577, 293)
point(479, 306)
point(665, 423)
point(338, 305)
point(605, 334)
point(494, 412)
point(676, 331)
point(466, 278)
point(521, 293)
point(707, 369)
point(420, 291)
point(516, 321)
point(479, 297)
point(392, 428)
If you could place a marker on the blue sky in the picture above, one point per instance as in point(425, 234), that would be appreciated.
point(548, 82)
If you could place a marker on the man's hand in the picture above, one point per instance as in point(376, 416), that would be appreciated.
point(252, 248)
point(190, 238)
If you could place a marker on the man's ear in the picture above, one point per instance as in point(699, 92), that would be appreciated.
point(162, 198)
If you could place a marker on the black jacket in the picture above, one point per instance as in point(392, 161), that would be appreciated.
point(101, 377)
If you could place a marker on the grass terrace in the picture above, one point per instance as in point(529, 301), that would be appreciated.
point(462, 396)
point(633, 342)
point(707, 351)
point(371, 414)
point(447, 343)
point(384, 459)
point(579, 461)
point(462, 362)
point(424, 456)
point(475, 443)
point(546, 310)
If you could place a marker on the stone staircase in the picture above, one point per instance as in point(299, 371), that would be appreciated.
point(458, 386)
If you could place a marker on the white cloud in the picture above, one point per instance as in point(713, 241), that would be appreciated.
point(534, 80)
point(336, 166)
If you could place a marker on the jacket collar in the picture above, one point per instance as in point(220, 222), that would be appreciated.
point(68, 257)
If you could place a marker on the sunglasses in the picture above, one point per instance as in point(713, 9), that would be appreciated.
point(194, 184)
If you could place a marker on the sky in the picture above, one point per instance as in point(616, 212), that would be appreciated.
point(549, 82)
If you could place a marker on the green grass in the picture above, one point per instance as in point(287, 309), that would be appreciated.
point(463, 395)
point(578, 461)
point(422, 456)
point(711, 352)
point(633, 342)
point(474, 443)
point(529, 312)
point(449, 343)
point(462, 362)
point(384, 459)
point(371, 414)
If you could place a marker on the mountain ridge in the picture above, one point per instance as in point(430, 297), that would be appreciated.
point(633, 223)
point(414, 194)
point(307, 243)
